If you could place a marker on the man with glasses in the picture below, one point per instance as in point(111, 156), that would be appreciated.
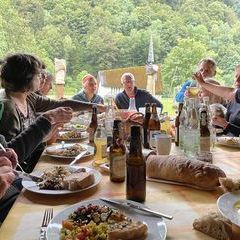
point(130, 90)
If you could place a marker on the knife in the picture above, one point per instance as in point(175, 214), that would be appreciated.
point(28, 176)
point(81, 154)
point(140, 208)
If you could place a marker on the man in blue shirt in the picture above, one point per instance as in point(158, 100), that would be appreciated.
point(207, 67)
point(130, 90)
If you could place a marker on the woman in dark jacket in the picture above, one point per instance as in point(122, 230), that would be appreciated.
point(20, 78)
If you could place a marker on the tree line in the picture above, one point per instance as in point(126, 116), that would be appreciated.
point(95, 35)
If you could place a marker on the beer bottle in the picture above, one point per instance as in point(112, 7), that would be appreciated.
point(93, 127)
point(136, 168)
point(117, 155)
point(145, 125)
point(177, 124)
point(204, 129)
point(153, 126)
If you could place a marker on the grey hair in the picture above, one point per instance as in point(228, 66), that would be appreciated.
point(127, 75)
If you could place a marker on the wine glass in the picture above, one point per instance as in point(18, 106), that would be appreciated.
point(193, 89)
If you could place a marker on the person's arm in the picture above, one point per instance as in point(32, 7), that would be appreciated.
point(26, 142)
point(227, 126)
point(151, 99)
point(231, 128)
point(226, 93)
point(6, 175)
point(180, 95)
point(43, 104)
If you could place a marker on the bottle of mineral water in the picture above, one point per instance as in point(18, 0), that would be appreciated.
point(191, 137)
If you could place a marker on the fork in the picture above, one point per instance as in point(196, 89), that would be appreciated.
point(48, 215)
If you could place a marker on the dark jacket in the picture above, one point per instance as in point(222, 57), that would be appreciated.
point(141, 97)
point(233, 116)
point(81, 96)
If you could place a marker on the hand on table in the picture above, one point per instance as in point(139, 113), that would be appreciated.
point(6, 175)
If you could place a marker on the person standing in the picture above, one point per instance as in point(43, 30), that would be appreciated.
point(130, 90)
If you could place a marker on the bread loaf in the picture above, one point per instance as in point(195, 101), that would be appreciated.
point(214, 225)
point(78, 181)
point(181, 169)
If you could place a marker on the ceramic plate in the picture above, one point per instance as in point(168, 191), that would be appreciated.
point(83, 136)
point(229, 205)
point(229, 142)
point(58, 146)
point(33, 187)
point(157, 229)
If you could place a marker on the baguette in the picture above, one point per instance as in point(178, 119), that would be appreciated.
point(214, 225)
point(229, 184)
point(183, 170)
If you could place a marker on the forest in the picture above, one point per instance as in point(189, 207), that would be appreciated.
point(95, 35)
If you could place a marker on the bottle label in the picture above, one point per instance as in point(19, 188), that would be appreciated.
point(152, 135)
point(118, 166)
point(205, 144)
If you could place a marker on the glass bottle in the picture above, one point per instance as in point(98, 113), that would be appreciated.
point(205, 142)
point(93, 127)
point(117, 155)
point(153, 126)
point(177, 124)
point(109, 118)
point(145, 125)
point(101, 145)
point(132, 104)
point(183, 120)
point(191, 137)
point(136, 168)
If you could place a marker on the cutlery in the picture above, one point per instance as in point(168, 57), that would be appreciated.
point(22, 173)
point(81, 154)
point(48, 215)
point(140, 208)
point(28, 176)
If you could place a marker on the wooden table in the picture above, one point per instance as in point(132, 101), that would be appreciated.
point(185, 204)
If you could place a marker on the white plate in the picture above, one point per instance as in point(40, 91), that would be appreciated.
point(33, 187)
point(57, 146)
point(224, 142)
point(157, 229)
point(84, 135)
point(226, 205)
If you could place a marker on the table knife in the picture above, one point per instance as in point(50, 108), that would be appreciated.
point(140, 208)
point(81, 154)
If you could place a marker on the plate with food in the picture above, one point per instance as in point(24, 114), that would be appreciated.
point(63, 180)
point(228, 142)
point(229, 206)
point(74, 135)
point(97, 219)
point(74, 127)
point(68, 150)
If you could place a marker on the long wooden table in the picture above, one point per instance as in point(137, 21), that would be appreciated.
point(185, 204)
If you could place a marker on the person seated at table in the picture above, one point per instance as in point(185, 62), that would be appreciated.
point(20, 79)
point(212, 97)
point(89, 92)
point(130, 90)
point(10, 186)
point(45, 83)
point(207, 66)
point(231, 122)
